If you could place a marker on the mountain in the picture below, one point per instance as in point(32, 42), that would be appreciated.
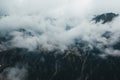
point(105, 18)
point(78, 62)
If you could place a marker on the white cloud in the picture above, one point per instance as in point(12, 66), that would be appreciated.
point(14, 73)
point(48, 21)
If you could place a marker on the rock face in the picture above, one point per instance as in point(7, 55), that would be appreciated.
point(104, 18)
point(51, 66)
point(76, 63)
point(56, 65)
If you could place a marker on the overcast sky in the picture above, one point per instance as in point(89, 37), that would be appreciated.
point(50, 6)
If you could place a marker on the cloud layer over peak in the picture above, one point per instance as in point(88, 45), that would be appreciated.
point(56, 24)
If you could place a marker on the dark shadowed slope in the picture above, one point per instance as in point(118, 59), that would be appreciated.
point(104, 18)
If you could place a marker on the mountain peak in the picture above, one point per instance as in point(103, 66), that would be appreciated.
point(105, 17)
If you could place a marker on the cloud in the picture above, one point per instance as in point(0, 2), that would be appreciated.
point(56, 24)
point(112, 52)
point(14, 73)
point(103, 6)
point(48, 21)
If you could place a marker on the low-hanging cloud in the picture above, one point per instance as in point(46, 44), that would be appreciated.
point(14, 73)
point(57, 23)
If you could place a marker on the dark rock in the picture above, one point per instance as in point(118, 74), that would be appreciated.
point(104, 18)
point(61, 67)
